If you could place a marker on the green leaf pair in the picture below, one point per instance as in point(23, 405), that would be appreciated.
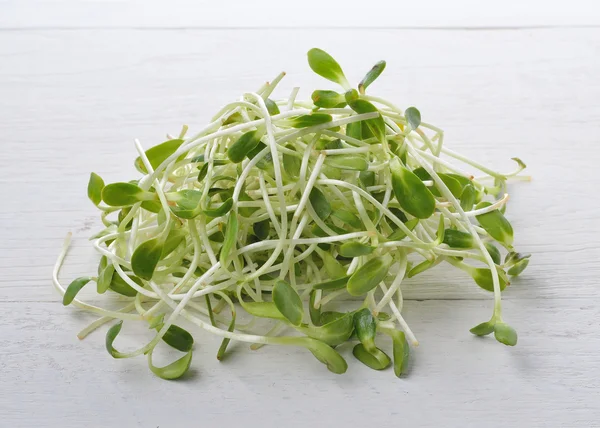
point(502, 332)
point(286, 305)
point(324, 65)
point(516, 262)
point(366, 351)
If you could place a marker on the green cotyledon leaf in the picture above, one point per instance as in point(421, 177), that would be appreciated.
point(399, 234)
point(262, 310)
point(347, 162)
point(230, 240)
point(412, 195)
point(328, 99)
point(375, 125)
point(483, 329)
point(94, 189)
point(371, 76)
point(174, 370)
point(158, 154)
point(333, 267)
point(401, 352)
point(178, 338)
point(124, 194)
point(174, 239)
point(73, 288)
point(413, 117)
point(118, 285)
point(347, 217)
point(261, 229)
point(376, 359)
point(111, 335)
point(368, 276)
point(272, 107)
point(467, 197)
point(332, 285)
point(332, 333)
point(505, 334)
point(355, 249)
point(518, 267)
point(319, 203)
point(457, 239)
point(450, 181)
point(104, 279)
point(325, 66)
point(367, 178)
point(495, 224)
point(243, 145)
point(310, 120)
point(366, 328)
point(494, 253)
point(291, 164)
point(288, 302)
point(145, 258)
point(483, 278)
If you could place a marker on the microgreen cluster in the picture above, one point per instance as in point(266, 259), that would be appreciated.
point(279, 210)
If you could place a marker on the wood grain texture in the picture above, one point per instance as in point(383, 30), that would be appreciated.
point(508, 14)
point(455, 378)
point(72, 102)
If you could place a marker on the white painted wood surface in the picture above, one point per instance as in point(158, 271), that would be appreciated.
point(72, 101)
point(33, 14)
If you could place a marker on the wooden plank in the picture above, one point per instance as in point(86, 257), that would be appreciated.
point(498, 95)
point(508, 14)
point(549, 380)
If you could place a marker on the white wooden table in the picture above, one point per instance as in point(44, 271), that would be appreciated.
point(80, 80)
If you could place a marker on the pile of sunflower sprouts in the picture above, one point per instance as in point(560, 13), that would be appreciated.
point(279, 209)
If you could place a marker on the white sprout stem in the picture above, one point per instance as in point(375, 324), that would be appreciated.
point(376, 203)
point(292, 98)
point(394, 287)
point(450, 197)
point(403, 323)
point(76, 302)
